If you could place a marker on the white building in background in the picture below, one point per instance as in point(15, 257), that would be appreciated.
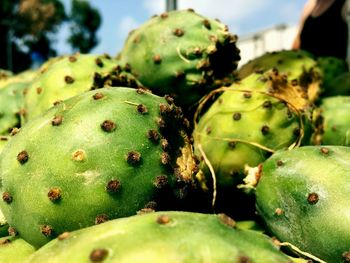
point(271, 39)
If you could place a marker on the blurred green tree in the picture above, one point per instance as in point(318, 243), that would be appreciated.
point(28, 28)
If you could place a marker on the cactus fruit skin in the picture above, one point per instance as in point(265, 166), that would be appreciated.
point(181, 53)
point(64, 77)
point(303, 196)
point(333, 122)
point(296, 64)
point(103, 154)
point(11, 106)
point(246, 123)
point(25, 76)
point(13, 249)
point(338, 86)
point(330, 68)
point(3, 225)
point(162, 237)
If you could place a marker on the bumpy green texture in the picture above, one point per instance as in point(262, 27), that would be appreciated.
point(3, 141)
point(64, 77)
point(330, 68)
point(248, 122)
point(303, 196)
point(14, 250)
point(100, 155)
point(25, 76)
point(162, 237)
point(298, 65)
point(333, 121)
point(181, 53)
point(338, 86)
point(12, 106)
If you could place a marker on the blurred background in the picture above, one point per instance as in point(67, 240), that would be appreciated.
point(31, 31)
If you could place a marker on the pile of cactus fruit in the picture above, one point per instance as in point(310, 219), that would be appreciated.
point(170, 152)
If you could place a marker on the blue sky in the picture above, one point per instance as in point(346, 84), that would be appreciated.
point(242, 16)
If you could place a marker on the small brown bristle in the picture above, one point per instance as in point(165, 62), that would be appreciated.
point(163, 219)
point(164, 144)
point(39, 90)
point(265, 129)
point(98, 255)
point(237, 116)
point(157, 59)
point(346, 256)
point(133, 157)
point(164, 15)
point(179, 32)
point(142, 109)
point(12, 231)
point(68, 79)
point(54, 194)
point(79, 155)
point(206, 23)
point(5, 241)
point(98, 96)
point(99, 62)
point(63, 236)
point(108, 126)
point(161, 181)
point(46, 230)
point(165, 158)
point(153, 135)
point(101, 219)
point(57, 120)
point(324, 150)
point(228, 221)
point(72, 58)
point(113, 186)
point(312, 198)
point(22, 157)
point(7, 197)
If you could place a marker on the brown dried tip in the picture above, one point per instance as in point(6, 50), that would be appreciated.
point(39, 90)
point(237, 116)
point(161, 181)
point(113, 186)
point(98, 96)
point(12, 231)
point(346, 256)
point(99, 62)
point(178, 32)
point(57, 102)
point(294, 82)
point(265, 129)
point(226, 220)
point(14, 131)
point(312, 198)
point(72, 58)
point(208, 130)
point(101, 219)
point(142, 109)
point(145, 211)
point(63, 236)
point(98, 255)
point(54, 194)
point(267, 104)
point(163, 219)
point(108, 126)
point(68, 79)
point(206, 23)
point(22, 157)
point(164, 144)
point(46, 230)
point(169, 99)
point(164, 109)
point(157, 59)
point(57, 120)
point(324, 150)
point(232, 145)
point(153, 136)
point(247, 95)
point(6, 196)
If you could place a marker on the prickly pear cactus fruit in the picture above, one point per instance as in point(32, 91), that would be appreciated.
point(65, 77)
point(11, 106)
point(247, 123)
point(5, 74)
point(333, 122)
point(298, 65)
point(23, 77)
point(3, 142)
point(162, 237)
point(330, 68)
point(100, 155)
point(303, 196)
point(14, 250)
point(338, 86)
point(181, 53)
